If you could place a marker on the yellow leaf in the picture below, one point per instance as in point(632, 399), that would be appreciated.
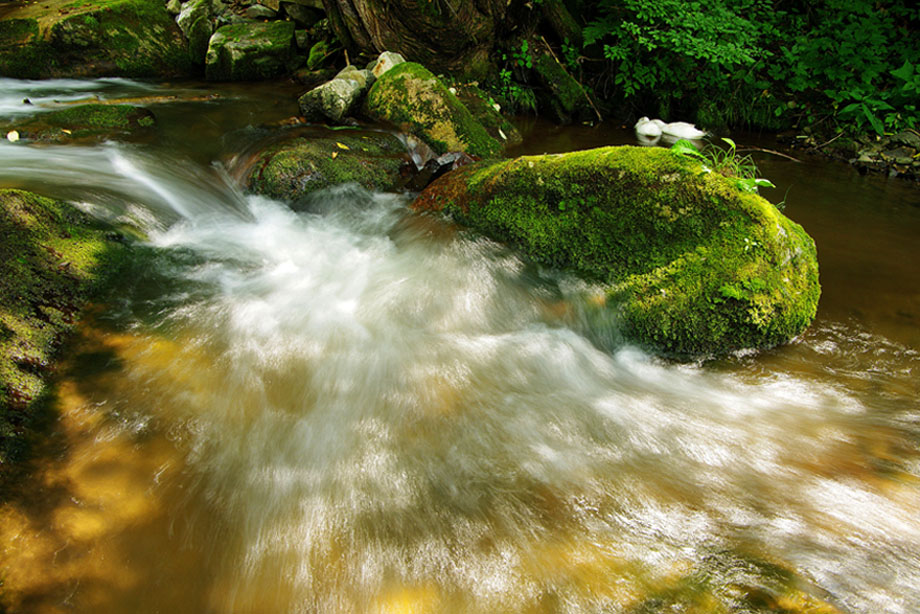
point(342, 145)
point(65, 131)
point(334, 154)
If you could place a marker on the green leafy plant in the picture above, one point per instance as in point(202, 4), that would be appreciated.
point(727, 162)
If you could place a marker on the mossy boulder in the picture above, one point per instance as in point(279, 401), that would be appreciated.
point(92, 38)
point(488, 113)
point(691, 265)
point(51, 259)
point(293, 168)
point(196, 22)
point(410, 97)
point(86, 122)
point(564, 95)
point(251, 51)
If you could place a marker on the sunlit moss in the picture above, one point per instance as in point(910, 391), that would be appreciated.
point(692, 266)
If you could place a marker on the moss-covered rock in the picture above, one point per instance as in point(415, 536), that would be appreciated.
point(566, 96)
point(487, 113)
point(91, 38)
point(293, 168)
point(251, 51)
point(413, 99)
point(51, 258)
point(86, 122)
point(691, 265)
point(195, 21)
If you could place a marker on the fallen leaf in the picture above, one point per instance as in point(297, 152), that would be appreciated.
point(335, 155)
point(342, 145)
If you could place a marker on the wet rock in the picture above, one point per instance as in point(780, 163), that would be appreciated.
point(907, 138)
point(195, 21)
point(333, 100)
point(302, 15)
point(302, 39)
point(567, 98)
point(436, 167)
point(130, 38)
point(487, 112)
point(691, 265)
point(312, 78)
point(384, 62)
point(298, 166)
point(173, 7)
point(87, 123)
point(258, 11)
point(365, 78)
point(249, 52)
point(410, 97)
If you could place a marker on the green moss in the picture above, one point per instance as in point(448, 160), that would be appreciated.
point(482, 107)
point(86, 122)
point(52, 257)
point(292, 169)
point(568, 99)
point(692, 265)
point(133, 38)
point(250, 51)
point(412, 98)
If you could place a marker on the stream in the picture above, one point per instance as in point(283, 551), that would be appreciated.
point(351, 408)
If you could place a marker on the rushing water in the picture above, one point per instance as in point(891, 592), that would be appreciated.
point(350, 408)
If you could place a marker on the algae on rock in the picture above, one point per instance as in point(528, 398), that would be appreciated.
point(410, 97)
point(691, 265)
point(85, 122)
point(92, 38)
point(293, 168)
point(52, 257)
point(251, 51)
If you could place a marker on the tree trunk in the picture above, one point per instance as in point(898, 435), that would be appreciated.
point(456, 36)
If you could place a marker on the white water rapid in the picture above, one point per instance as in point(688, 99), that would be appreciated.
point(374, 412)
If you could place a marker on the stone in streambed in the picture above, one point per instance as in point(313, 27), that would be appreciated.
point(413, 99)
point(251, 51)
point(196, 22)
point(691, 266)
point(296, 167)
point(86, 122)
point(62, 38)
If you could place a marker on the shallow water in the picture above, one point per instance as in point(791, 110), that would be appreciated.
point(350, 408)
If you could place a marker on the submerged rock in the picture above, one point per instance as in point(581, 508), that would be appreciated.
point(691, 266)
point(94, 38)
point(87, 122)
point(251, 51)
point(293, 168)
point(413, 99)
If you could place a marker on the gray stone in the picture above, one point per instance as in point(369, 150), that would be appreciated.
point(302, 15)
point(313, 4)
point(908, 138)
point(258, 11)
point(332, 100)
point(365, 78)
point(384, 62)
point(302, 38)
point(195, 22)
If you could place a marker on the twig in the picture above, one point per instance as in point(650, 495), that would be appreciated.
point(830, 141)
point(562, 66)
point(770, 151)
